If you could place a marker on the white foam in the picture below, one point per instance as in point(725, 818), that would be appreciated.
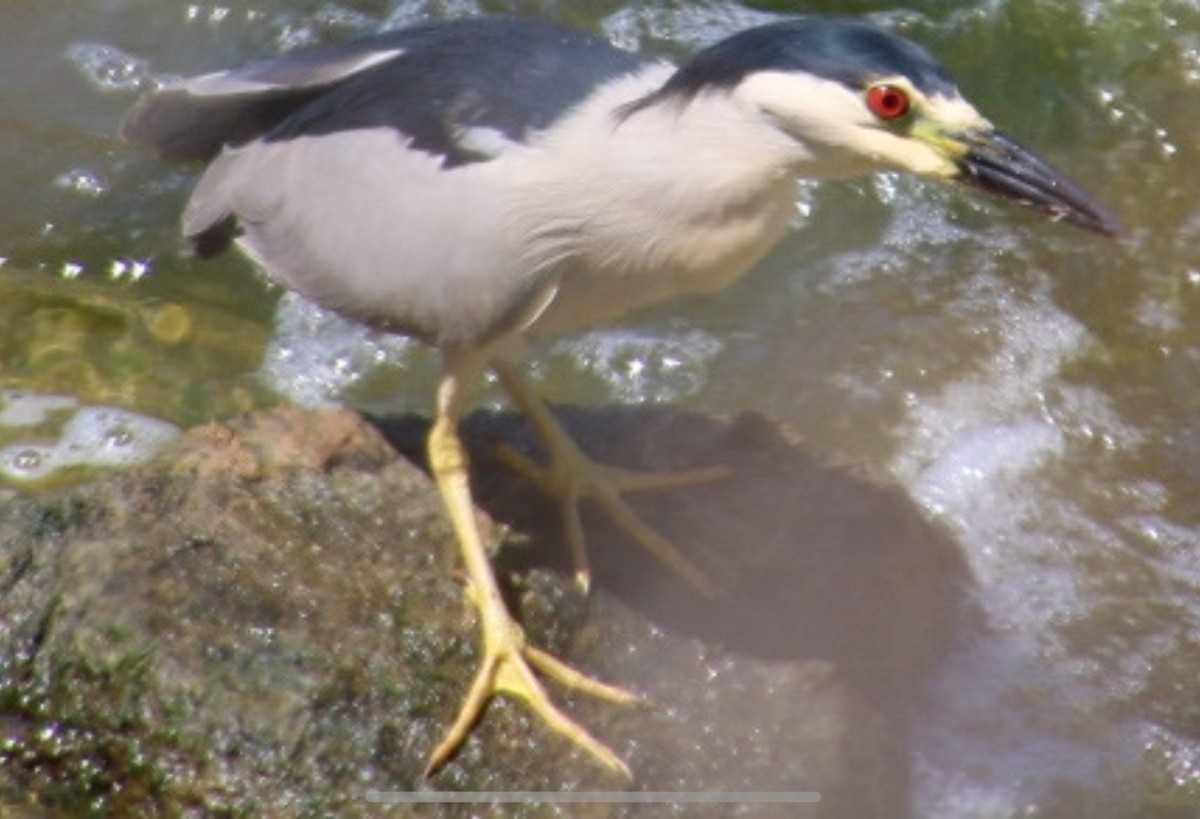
point(640, 366)
point(975, 461)
point(317, 358)
point(991, 452)
point(997, 438)
point(23, 409)
point(692, 24)
point(105, 436)
point(108, 67)
point(408, 12)
point(93, 436)
point(315, 355)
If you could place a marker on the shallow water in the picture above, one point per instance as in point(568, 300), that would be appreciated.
point(1035, 388)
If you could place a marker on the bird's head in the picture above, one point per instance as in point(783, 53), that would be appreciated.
point(857, 99)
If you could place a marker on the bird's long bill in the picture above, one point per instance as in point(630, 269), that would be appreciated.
point(997, 164)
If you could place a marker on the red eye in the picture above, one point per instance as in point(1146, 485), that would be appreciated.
point(887, 101)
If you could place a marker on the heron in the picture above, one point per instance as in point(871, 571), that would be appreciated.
point(477, 183)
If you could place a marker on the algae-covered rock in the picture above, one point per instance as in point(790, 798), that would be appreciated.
point(268, 620)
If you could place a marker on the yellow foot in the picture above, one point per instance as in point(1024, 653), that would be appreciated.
point(573, 476)
point(508, 663)
point(507, 668)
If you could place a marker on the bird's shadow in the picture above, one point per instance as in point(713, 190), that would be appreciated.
point(812, 559)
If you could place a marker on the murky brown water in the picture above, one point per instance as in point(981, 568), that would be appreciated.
point(1036, 388)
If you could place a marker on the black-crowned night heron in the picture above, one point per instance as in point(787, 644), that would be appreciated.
point(476, 182)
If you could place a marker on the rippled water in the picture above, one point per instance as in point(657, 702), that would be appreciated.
point(1035, 388)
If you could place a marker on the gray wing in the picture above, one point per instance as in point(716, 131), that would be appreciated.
point(428, 82)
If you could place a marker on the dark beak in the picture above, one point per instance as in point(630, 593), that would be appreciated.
point(1000, 166)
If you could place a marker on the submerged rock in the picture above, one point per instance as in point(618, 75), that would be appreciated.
point(267, 620)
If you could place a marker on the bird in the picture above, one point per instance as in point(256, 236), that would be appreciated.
point(481, 182)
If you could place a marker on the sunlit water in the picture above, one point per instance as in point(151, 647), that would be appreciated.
point(1036, 389)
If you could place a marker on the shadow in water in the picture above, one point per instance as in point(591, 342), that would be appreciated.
point(813, 560)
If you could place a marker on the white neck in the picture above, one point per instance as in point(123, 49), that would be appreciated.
point(670, 200)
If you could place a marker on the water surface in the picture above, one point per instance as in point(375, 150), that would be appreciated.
point(1035, 388)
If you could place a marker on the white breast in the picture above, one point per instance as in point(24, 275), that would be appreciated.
point(669, 201)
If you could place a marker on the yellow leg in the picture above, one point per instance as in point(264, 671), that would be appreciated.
point(572, 476)
point(508, 663)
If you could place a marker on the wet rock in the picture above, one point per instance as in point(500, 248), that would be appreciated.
point(268, 621)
